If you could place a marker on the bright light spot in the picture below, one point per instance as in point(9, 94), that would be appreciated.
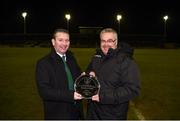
point(165, 17)
point(119, 17)
point(24, 14)
point(68, 16)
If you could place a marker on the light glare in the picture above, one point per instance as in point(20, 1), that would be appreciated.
point(165, 17)
point(24, 14)
point(68, 16)
point(119, 17)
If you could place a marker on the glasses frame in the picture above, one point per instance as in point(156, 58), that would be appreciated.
point(108, 41)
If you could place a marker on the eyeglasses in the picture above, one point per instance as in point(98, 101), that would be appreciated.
point(108, 41)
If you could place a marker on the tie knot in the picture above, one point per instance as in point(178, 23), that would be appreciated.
point(64, 58)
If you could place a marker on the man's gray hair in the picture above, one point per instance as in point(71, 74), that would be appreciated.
point(110, 30)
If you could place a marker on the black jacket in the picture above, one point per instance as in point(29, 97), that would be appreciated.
point(118, 75)
point(53, 87)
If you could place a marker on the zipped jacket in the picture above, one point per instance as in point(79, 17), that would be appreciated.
point(119, 78)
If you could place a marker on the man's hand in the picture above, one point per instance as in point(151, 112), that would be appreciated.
point(83, 73)
point(77, 96)
point(95, 98)
point(92, 73)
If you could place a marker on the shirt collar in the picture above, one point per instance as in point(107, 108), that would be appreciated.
point(61, 55)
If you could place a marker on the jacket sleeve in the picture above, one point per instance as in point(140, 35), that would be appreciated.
point(46, 91)
point(129, 88)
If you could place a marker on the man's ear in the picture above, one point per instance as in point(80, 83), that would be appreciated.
point(53, 41)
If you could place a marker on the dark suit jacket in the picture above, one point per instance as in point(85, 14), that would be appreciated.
point(53, 87)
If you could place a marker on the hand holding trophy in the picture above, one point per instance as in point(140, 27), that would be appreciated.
point(87, 85)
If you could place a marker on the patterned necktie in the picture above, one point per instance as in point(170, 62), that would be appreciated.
point(68, 73)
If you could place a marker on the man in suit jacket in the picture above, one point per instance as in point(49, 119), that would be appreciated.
point(60, 101)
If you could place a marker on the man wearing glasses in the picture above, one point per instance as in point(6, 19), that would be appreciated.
point(118, 76)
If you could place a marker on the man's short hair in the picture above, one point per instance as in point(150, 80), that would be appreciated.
point(60, 30)
point(110, 30)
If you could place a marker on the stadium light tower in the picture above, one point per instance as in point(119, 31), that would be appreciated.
point(24, 14)
point(119, 17)
point(68, 17)
point(165, 26)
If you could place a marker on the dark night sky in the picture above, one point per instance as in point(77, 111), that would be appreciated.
point(139, 17)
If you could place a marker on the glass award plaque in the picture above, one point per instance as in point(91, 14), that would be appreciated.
point(87, 86)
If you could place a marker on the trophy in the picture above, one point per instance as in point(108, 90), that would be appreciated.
point(87, 86)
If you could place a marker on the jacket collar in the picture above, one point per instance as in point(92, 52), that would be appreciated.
point(99, 53)
point(55, 56)
point(122, 48)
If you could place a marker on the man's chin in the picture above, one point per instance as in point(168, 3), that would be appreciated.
point(63, 51)
point(105, 52)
